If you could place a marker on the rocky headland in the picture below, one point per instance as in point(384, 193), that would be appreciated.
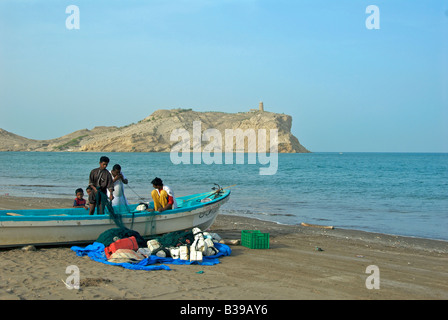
point(154, 133)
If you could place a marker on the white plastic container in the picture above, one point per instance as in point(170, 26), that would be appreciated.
point(199, 245)
point(208, 248)
point(197, 233)
point(153, 245)
point(184, 253)
point(195, 255)
point(175, 253)
point(209, 242)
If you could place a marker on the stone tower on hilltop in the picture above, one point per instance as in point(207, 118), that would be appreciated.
point(260, 106)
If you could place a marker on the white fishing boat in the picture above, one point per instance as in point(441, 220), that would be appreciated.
point(75, 225)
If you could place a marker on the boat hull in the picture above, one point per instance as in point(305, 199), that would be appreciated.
point(74, 229)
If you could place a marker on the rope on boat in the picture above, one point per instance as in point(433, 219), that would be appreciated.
point(210, 193)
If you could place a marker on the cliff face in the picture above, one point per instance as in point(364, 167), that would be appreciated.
point(155, 132)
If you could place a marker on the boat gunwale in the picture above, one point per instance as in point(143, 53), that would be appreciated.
point(133, 214)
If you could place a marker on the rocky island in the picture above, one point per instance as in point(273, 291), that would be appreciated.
point(154, 133)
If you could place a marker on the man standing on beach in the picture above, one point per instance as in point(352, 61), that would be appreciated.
point(100, 180)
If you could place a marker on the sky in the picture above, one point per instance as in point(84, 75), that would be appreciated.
point(347, 86)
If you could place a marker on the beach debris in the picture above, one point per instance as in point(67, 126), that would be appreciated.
point(29, 248)
point(316, 226)
point(200, 272)
point(68, 286)
point(359, 256)
point(87, 282)
point(319, 249)
point(231, 242)
point(93, 282)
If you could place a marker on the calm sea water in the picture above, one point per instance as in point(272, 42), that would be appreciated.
point(401, 194)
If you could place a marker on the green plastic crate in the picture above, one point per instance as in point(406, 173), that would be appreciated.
point(254, 239)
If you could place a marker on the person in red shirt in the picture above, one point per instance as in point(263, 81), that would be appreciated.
point(80, 202)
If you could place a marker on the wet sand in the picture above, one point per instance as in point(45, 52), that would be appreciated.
point(303, 263)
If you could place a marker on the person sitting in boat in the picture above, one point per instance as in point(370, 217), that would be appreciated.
point(89, 191)
point(100, 180)
point(80, 202)
point(119, 181)
point(163, 196)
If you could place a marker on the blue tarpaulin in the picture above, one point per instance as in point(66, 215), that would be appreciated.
point(95, 251)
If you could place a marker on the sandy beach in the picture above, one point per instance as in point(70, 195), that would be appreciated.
point(303, 263)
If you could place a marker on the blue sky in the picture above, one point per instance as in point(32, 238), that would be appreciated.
point(347, 88)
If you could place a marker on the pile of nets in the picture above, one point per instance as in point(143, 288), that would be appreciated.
point(96, 250)
point(112, 235)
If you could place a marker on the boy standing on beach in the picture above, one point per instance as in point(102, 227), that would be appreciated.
point(100, 180)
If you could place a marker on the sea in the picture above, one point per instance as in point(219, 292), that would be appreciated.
point(392, 193)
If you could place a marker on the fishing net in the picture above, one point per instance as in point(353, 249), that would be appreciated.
point(176, 238)
point(104, 206)
point(112, 235)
